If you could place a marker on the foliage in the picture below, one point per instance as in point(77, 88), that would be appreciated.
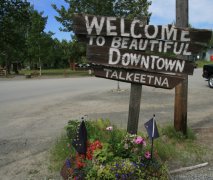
point(24, 43)
point(22, 37)
point(210, 45)
point(36, 39)
point(170, 132)
point(14, 19)
point(176, 149)
point(171, 149)
point(121, 8)
point(57, 72)
point(201, 63)
point(132, 9)
point(59, 152)
point(114, 154)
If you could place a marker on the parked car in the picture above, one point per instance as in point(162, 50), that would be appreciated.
point(82, 66)
point(208, 74)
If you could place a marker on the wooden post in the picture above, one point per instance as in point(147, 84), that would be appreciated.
point(134, 108)
point(181, 90)
point(180, 112)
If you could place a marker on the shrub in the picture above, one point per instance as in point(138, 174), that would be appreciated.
point(113, 153)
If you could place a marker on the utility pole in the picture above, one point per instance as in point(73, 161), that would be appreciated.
point(181, 90)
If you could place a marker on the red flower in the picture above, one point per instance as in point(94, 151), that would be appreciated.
point(79, 160)
point(91, 147)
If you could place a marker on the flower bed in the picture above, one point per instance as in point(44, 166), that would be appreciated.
point(112, 154)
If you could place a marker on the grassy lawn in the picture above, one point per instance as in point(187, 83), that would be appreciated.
point(56, 72)
point(201, 63)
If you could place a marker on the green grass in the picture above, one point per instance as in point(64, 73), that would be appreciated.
point(57, 72)
point(59, 152)
point(201, 63)
point(178, 150)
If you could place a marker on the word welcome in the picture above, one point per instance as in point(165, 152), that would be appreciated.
point(117, 27)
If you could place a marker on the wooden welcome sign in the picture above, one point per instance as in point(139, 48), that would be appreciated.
point(133, 52)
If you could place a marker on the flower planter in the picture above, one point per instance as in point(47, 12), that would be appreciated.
point(111, 154)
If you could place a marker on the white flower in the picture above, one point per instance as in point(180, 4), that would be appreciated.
point(109, 128)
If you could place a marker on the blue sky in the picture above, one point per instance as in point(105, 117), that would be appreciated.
point(163, 12)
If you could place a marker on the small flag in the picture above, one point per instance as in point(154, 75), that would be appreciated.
point(152, 129)
point(80, 141)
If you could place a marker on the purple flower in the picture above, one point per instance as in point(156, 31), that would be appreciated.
point(68, 163)
point(147, 155)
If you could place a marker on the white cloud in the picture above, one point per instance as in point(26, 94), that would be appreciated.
point(200, 12)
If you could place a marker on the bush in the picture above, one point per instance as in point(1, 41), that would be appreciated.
point(113, 153)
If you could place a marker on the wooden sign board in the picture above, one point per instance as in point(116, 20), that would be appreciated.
point(121, 58)
point(113, 26)
point(140, 77)
point(139, 52)
point(150, 45)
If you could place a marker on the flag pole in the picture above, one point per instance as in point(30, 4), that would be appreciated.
point(152, 148)
point(153, 133)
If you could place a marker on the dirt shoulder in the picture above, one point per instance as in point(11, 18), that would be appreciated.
point(204, 138)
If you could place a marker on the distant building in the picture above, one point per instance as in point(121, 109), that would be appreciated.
point(208, 54)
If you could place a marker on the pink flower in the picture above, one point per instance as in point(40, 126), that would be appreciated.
point(147, 155)
point(138, 140)
point(109, 128)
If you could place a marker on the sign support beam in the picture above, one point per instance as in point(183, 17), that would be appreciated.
point(134, 108)
point(181, 90)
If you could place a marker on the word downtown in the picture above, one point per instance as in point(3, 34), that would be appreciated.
point(149, 62)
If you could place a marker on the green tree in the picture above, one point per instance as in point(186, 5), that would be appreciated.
point(210, 45)
point(83, 6)
point(14, 19)
point(47, 51)
point(120, 8)
point(35, 37)
point(132, 9)
point(73, 52)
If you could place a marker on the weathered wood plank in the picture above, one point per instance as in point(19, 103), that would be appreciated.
point(181, 90)
point(134, 108)
point(139, 77)
point(112, 26)
point(121, 58)
point(178, 48)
